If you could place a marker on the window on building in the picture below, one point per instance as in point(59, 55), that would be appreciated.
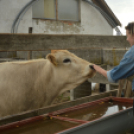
point(49, 9)
point(44, 9)
point(57, 10)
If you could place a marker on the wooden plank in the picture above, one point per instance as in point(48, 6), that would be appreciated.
point(128, 92)
point(41, 42)
point(122, 85)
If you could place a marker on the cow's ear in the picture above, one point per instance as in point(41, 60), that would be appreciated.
point(52, 59)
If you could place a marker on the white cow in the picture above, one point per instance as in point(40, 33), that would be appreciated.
point(34, 84)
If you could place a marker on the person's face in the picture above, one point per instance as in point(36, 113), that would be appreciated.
point(130, 38)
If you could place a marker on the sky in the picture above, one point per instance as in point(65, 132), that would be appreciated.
point(123, 10)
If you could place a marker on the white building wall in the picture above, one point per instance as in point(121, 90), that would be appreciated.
point(9, 9)
point(92, 22)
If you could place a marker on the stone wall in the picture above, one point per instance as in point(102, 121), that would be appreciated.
point(96, 49)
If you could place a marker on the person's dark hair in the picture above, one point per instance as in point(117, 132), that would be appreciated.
point(130, 27)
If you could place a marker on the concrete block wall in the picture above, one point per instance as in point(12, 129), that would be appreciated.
point(113, 57)
point(81, 91)
point(34, 55)
point(93, 56)
point(97, 49)
point(8, 54)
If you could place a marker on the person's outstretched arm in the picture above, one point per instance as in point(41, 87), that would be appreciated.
point(100, 70)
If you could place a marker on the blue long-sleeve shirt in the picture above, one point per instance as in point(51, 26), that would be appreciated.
point(124, 69)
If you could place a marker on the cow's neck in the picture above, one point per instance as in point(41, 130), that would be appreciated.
point(51, 85)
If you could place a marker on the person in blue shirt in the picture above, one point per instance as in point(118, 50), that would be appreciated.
point(126, 67)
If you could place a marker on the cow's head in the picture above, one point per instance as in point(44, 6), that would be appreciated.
point(70, 69)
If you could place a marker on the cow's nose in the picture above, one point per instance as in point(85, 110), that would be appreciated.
point(91, 66)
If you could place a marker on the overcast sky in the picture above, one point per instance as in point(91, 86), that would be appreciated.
point(124, 11)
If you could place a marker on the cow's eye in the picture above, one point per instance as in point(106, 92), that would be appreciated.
point(66, 60)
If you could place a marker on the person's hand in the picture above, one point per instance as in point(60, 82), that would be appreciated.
point(96, 67)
